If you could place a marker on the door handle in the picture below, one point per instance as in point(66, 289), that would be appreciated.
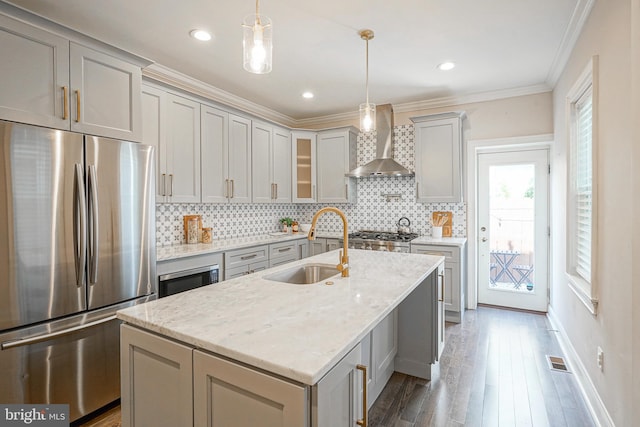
point(164, 185)
point(47, 337)
point(77, 106)
point(65, 102)
point(226, 188)
point(441, 299)
point(93, 235)
point(232, 190)
point(80, 228)
point(363, 421)
point(170, 185)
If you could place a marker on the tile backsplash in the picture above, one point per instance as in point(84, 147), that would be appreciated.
point(372, 210)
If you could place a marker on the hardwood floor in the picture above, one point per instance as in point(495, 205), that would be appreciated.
point(493, 372)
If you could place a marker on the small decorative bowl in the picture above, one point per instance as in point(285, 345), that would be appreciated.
point(305, 227)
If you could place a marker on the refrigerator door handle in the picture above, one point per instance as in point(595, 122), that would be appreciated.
point(79, 225)
point(93, 230)
point(47, 337)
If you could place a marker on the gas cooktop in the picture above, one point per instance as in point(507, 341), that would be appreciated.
point(384, 236)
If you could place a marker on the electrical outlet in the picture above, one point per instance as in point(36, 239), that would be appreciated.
point(600, 358)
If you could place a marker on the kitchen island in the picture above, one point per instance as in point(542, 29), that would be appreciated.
point(252, 351)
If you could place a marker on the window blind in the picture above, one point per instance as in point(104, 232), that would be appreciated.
point(583, 186)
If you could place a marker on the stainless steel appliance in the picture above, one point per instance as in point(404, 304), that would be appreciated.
point(77, 243)
point(180, 281)
point(381, 241)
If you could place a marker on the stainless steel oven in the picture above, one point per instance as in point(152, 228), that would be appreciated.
point(180, 281)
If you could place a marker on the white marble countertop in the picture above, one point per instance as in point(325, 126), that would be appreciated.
point(164, 253)
point(445, 241)
point(297, 331)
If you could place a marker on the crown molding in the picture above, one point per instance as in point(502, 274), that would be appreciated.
point(576, 23)
point(182, 81)
point(449, 101)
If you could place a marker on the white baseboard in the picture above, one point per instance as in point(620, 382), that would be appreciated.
point(594, 403)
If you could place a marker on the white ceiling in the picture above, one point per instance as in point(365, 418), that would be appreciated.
point(496, 44)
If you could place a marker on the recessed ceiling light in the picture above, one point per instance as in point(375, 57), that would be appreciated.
point(201, 35)
point(446, 66)
point(307, 95)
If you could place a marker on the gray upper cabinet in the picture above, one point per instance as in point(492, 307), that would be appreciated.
point(35, 73)
point(438, 158)
point(172, 125)
point(336, 156)
point(106, 95)
point(271, 166)
point(50, 81)
point(239, 157)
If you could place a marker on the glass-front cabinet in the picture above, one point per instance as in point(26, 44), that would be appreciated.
point(304, 166)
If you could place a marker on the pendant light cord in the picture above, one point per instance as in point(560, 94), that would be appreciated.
point(367, 68)
point(258, 12)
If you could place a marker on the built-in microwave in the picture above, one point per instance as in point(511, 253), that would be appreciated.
point(180, 281)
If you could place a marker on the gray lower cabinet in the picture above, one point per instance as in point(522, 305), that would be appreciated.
point(322, 245)
point(228, 394)
point(455, 276)
point(283, 253)
point(245, 261)
point(384, 347)
point(302, 246)
point(156, 380)
point(336, 398)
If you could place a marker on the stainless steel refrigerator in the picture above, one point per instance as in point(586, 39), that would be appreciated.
point(77, 243)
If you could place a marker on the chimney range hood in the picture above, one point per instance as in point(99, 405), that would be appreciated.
point(383, 164)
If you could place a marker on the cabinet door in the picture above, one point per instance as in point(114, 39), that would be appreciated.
point(154, 104)
point(228, 394)
point(438, 160)
point(239, 154)
point(303, 171)
point(183, 150)
point(336, 399)
point(317, 246)
point(106, 95)
point(35, 73)
point(156, 380)
point(303, 249)
point(333, 155)
point(262, 185)
point(214, 154)
point(384, 347)
point(333, 244)
point(281, 165)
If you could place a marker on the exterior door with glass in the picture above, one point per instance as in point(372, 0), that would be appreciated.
point(513, 224)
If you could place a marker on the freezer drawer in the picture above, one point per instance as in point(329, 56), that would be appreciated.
point(74, 361)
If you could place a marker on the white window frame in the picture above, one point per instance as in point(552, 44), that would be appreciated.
point(585, 288)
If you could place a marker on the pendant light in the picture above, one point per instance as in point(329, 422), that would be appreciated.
point(257, 43)
point(367, 110)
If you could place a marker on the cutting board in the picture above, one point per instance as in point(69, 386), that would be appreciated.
point(447, 227)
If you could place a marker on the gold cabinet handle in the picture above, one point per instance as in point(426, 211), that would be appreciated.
point(363, 421)
point(77, 106)
point(232, 190)
point(170, 185)
point(65, 102)
point(441, 299)
point(164, 186)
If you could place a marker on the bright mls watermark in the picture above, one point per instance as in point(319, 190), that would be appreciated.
point(34, 415)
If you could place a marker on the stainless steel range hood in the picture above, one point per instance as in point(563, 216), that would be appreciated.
point(383, 164)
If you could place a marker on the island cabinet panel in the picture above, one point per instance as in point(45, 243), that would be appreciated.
point(156, 380)
point(228, 394)
point(421, 328)
point(337, 398)
point(384, 347)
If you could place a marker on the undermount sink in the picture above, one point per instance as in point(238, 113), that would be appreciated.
point(304, 274)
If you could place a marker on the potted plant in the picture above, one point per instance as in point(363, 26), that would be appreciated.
point(286, 223)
